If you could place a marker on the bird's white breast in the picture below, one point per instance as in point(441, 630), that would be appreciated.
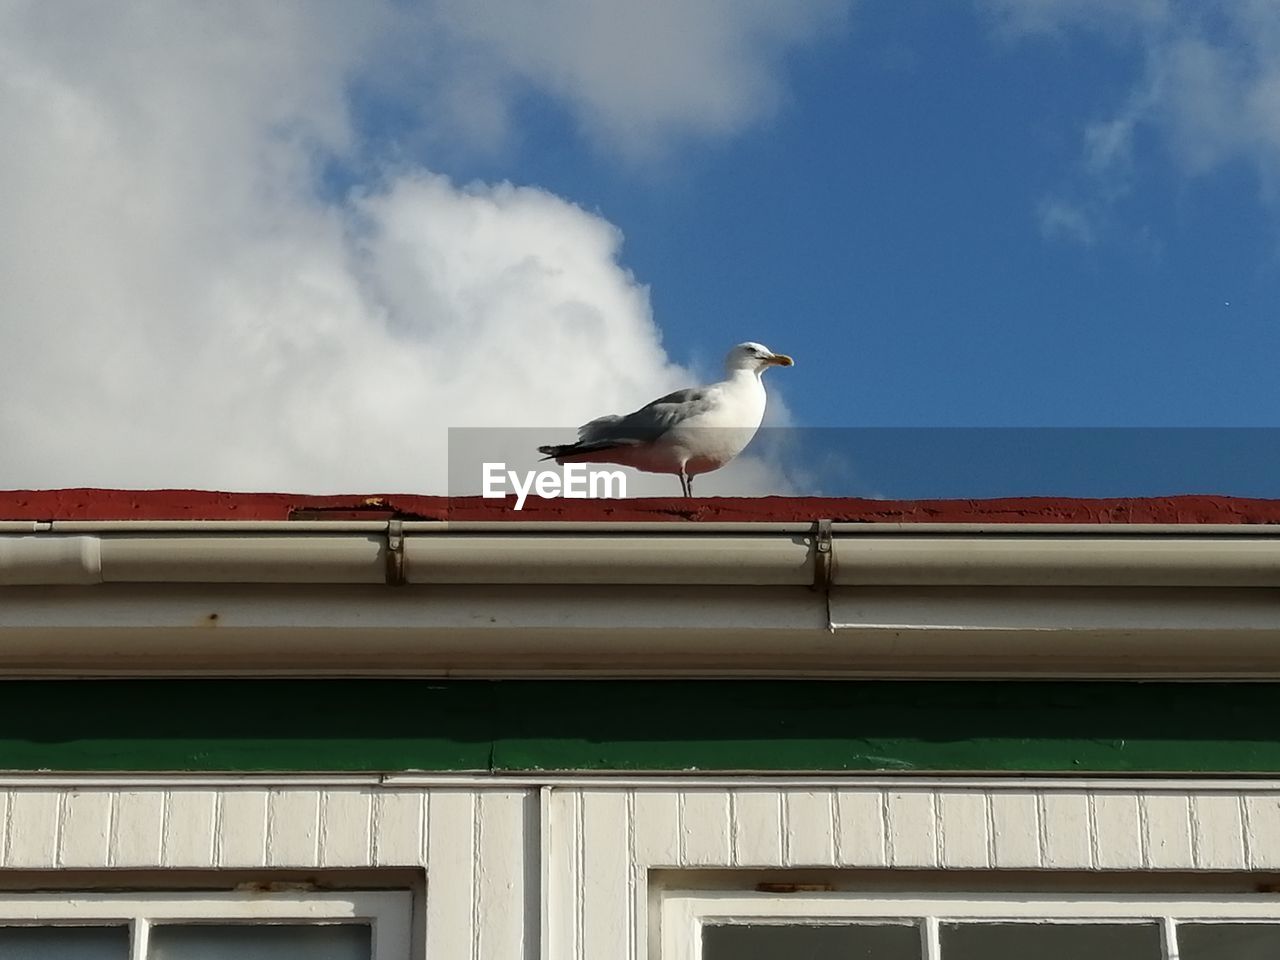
point(713, 437)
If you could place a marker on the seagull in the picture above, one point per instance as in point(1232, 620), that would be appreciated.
point(688, 432)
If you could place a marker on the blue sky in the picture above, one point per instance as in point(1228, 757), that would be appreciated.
point(288, 246)
point(885, 226)
point(920, 225)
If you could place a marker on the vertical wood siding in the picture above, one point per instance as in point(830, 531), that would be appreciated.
point(597, 892)
point(476, 910)
point(482, 847)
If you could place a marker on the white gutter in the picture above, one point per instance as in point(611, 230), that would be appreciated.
point(656, 599)
point(1096, 561)
point(747, 554)
point(41, 559)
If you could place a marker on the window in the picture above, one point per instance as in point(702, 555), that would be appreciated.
point(365, 925)
point(709, 925)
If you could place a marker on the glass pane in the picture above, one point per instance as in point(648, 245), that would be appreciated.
point(260, 941)
point(64, 943)
point(845, 941)
point(1050, 941)
point(1229, 941)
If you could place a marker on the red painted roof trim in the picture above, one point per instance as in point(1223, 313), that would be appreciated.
point(91, 504)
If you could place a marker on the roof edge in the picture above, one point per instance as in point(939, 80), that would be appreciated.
point(95, 504)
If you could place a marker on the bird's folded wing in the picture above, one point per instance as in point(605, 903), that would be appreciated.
point(649, 422)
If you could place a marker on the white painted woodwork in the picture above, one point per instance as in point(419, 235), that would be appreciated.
point(809, 828)
point(912, 831)
point(1168, 831)
point(963, 830)
point(452, 904)
point(606, 898)
point(242, 833)
point(189, 828)
point(399, 828)
point(564, 870)
point(389, 912)
point(684, 912)
point(293, 828)
point(1065, 831)
point(85, 835)
point(1217, 831)
point(503, 854)
point(493, 850)
point(657, 826)
point(1116, 831)
point(345, 825)
point(32, 839)
point(136, 834)
point(1262, 820)
point(704, 828)
point(756, 816)
point(860, 828)
point(1015, 830)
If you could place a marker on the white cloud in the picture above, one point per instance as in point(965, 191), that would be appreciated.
point(636, 74)
point(1108, 144)
point(1062, 220)
point(183, 302)
point(1209, 87)
point(1018, 17)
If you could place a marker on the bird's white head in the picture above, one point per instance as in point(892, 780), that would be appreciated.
point(755, 357)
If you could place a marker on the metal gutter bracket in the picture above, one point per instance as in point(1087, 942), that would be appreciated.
point(823, 556)
point(824, 566)
point(395, 553)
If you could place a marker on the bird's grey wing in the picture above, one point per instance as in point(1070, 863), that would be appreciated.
point(649, 422)
point(642, 426)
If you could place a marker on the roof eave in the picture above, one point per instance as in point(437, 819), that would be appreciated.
point(639, 600)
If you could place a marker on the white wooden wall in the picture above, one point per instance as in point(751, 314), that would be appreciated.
point(478, 837)
point(483, 847)
point(605, 841)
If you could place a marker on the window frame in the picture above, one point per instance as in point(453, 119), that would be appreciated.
point(388, 912)
point(685, 913)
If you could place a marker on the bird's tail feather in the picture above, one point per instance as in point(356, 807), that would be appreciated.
point(554, 450)
point(558, 452)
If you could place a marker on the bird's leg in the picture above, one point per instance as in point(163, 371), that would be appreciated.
point(685, 483)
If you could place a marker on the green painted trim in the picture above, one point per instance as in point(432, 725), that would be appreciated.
point(637, 725)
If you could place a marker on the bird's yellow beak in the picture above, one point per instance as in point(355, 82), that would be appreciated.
point(780, 360)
